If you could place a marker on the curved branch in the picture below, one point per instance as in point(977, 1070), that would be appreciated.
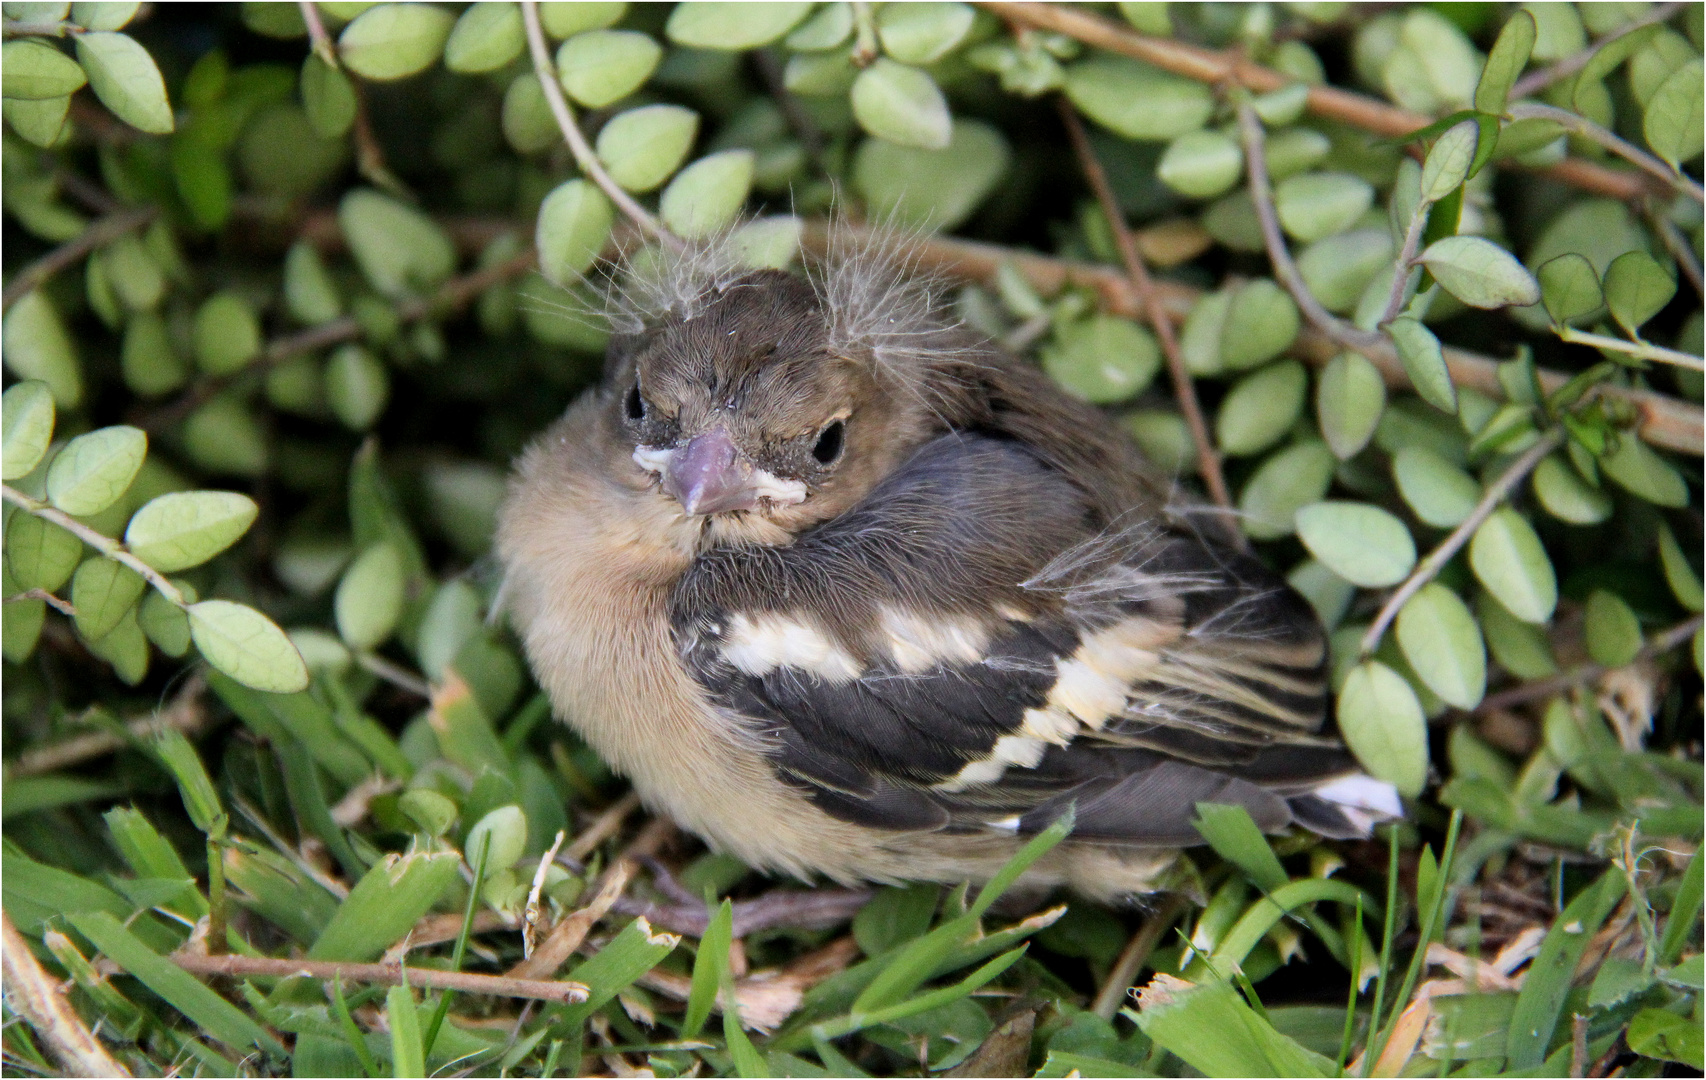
point(1641, 349)
point(1587, 129)
point(563, 992)
point(1657, 645)
point(106, 545)
point(1429, 568)
point(572, 134)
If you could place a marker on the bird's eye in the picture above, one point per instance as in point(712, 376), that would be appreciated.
point(830, 442)
point(634, 404)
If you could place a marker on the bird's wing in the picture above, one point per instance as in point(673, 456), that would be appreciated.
point(967, 650)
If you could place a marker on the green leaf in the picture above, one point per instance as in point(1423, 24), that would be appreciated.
point(1314, 205)
point(734, 27)
point(922, 33)
point(505, 831)
point(196, 788)
point(227, 334)
point(824, 30)
point(1541, 999)
point(1383, 725)
point(40, 555)
point(1133, 99)
point(186, 528)
point(1261, 407)
point(1234, 836)
point(1448, 161)
point(630, 954)
point(124, 77)
point(1636, 289)
point(1505, 62)
point(1443, 645)
point(33, 70)
point(36, 346)
point(166, 624)
point(247, 646)
point(486, 37)
point(26, 427)
point(328, 98)
point(1643, 473)
point(566, 20)
point(385, 905)
point(125, 647)
point(709, 964)
point(399, 249)
point(223, 436)
point(369, 599)
point(1511, 563)
point(357, 386)
point(1350, 397)
point(134, 275)
point(1613, 632)
point(408, 1056)
point(932, 189)
point(177, 987)
point(1338, 269)
point(1102, 358)
point(1480, 273)
point(603, 66)
point(1675, 115)
point(1261, 322)
point(1440, 493)
point(1201, 164)
point(1656, 1033)
point(1685, 910)
point(1424, 362)
point(308, 289)
point(1684, 581)
point(394, 41)
point(901, 104)
point(574, 225)
point(148, 360)
point(102, 591)
point(707, 195)
point(1566, 496)
point(1361, 543)
point(1286, 482)
point(94, 471)
point(39, 122)
point(1570, 288)
point(641, 148)
point(1520, 648)
point(1213, 1030)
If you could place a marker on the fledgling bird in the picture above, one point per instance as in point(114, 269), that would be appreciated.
point(848, 591)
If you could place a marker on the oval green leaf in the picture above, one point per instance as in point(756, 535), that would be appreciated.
point(486, 37)
point(1568, 497)
point(641, 148)
point(36, 346)
point(1442, 642)
point(922, 33)
point(103, 591)
point(708, 194)
point(1613, 632)
point(399, 249)
point(39, 554)
point(1570, 288)
point(1511, 563)
point(1285, 483)
point(1201, 164)
point(33, 70)
point(369, 599)
point(1675, 117)
point(328, 98)
point(182, 529)
point(1314, 205)
point(94, 471)
point(1447, 163)
point(902, 104)
point(1260, 408)
point(394, 41)
point(124, 77)
point(1261, 322)
point(1643, 473)
point(1439, 492)
point(1361, 543)
point(1480, 273)
point(701, 24)
point(26, 427)
point(603, 66)
point(503, 835)
point(932, 189)
point(1383, 725)
point(1350, 395)
point(1636, 289)
point(1103, 358)
point(574, 225)
point(1679, 573)
point(1505, 63)
point(357, 386)
point(246, 645)
point(226, 333)
point(1133, 99)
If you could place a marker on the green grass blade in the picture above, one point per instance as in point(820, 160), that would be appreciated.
point(1388, 928)
point(1217, 1033)
point(407, 1058)
point(1233, 835)
point(1035, 849)
point(206, 1009)
point(352, 1033)
point(1431, 892)
point(385, 904)
point(1548, 982)
point(1351, 997)
point(1265, 913)
point(1685, 909)
point(708, 968)
point(747, 1061)
point(630, 954)
point(935, 999)
point(461, 942)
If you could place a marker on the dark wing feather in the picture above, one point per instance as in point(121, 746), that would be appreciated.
point(971, 648)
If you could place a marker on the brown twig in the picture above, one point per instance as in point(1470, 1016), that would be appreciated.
point(1155, 310)
point(1536, 81)
point(1135, 954)
point(1583, 127)
point(107, 546)
point(1657, 645)
point(241, 967)
point(567, 935)
point(400, 677)
point(186, 714)
point(585, 158)
point(602, 829)
point(1429, 568)
point(97, 234)
point(1209, 66)
point(39, 999)
point(452, 296)
point(64, 607)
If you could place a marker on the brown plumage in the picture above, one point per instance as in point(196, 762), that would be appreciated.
point(849, 591)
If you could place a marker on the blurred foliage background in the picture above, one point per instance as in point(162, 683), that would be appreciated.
point(1413, 292)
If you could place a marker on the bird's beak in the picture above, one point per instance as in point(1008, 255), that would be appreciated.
point(710, 476)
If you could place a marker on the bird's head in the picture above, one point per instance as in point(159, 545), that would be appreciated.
point(752, 416)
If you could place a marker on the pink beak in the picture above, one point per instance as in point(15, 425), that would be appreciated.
point(710, 475)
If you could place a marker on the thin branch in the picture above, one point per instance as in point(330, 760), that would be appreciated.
point(567, 935)
point(245, 967)
point(1135, 954)
point(1429, 567)
point(1217, 68)
point(1587, 129)
point(184, 714)
point(1642, 349)
point(369, 155)
point(585, 158)
point(38, 998)
point(1657, 645)
point(450, 297)
point(1155, 309)
point(1678, 246)
point(64, 607)
point(1535, 81)
point(1665, 421)
point(98, 234)
point(1401, 266)
point(13, 28)
point(401, 678)
point(107, 546)
point(1262, 195)
point(606, 826)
